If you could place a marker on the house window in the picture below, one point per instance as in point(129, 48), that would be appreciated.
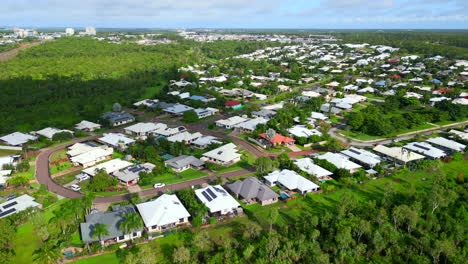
point(121, 237)
point(135, 234)
point(181, 220)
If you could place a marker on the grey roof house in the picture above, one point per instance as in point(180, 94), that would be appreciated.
point(251, 189)
point(184, 162)
point(118, 118)
point(112, 220)
point(130, 176)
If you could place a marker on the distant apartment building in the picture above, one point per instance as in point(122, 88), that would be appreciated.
point(90, 31)
point(69, 31)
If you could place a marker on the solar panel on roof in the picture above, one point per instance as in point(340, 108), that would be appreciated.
point(211, 193)
point(10, 205)
point(207, 196)
point(422, 147)
point(219, 190)
point(7, 212)
point(354, 151)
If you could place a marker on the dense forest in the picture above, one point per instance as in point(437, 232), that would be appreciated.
point(452, 44)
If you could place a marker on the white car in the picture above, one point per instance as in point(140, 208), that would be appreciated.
point(81, 177)
point(75, 187)
point(159, 185)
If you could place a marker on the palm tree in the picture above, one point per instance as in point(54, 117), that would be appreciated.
point(48, 253)
point(131, 223)
point(99, 231)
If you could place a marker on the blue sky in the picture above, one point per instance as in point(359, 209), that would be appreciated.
point(330, 14)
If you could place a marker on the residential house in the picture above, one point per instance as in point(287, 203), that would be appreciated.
point(206, 112)
point(250, 125)
point(230, 122)
point(308, 165)
point(169, 131)
point(291, 180)
point(447, 144)
point(218, 200)
point(398, 154)
point(49, 132)
point(340, 161)
point(163, 213)
point(143, 129)
point(17, 138)
point(146, 102)
point(186, 137)
point(16, 205)
point(234, 104)
point(118, 118)
point(252, 190)
point(303, 131)
point(183, 163)
point(425, 149)
point(91, 157)
point(109, 167)
point(462, 135)
point(178, 109)
point(131, 175)
point(265, 113)
point(87, 126)
point(80, 148)
point(112, 221)
point(116, 140)
point(277, 139)
point(205, 141)
point(362, 156)
point(225, 155)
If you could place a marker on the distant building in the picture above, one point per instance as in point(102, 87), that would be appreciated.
point(118, 118)
point(90, 31)
point(69, 31)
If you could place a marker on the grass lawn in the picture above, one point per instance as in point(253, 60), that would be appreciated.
point(110, 258)
point(67, 178)
point(28, 174)
point(237, 166)
point(442, 123)
point(58, 155)
point(110, 193)
point(8, 152)
point(168, 178)
point(200, 120)
point(61, 167)
point(117, 155)
point(289, 211)
point(362, 136)
point(335, 119)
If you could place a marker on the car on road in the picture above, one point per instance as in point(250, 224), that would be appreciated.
point(75, 187)
point(159, 185)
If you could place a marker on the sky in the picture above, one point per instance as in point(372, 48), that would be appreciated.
point(305, 14)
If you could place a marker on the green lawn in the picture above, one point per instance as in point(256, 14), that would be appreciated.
point(237, 166)
point(362, 136)
point(169, 178)
point(443, 123)
point(58, 155)
point(117, 155)
point(200, 120)
point(110, 258)
point(59, 167)
point(8, 152)
point(67, 178)
point(28, 174)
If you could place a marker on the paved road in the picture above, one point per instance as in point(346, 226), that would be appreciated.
point(43, 177)
point(11, 53)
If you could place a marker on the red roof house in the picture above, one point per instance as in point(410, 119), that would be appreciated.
point(279, 139)
point(393, 61)
point(396, 76)
point(234, 104)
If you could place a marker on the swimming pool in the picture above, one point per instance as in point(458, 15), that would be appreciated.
point(284, 196)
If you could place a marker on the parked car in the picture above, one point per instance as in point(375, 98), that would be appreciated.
point(82, 177)
point(159, 185)
point(75, 187)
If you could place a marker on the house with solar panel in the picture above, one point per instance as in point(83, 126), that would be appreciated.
point(218, 200)
point(131, 175)
point(17, 204)
point(163, 213)
point(183, 163)
point(118, 118)
point(362, 156)
point(426, 149)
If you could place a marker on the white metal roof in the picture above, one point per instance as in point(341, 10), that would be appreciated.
point(79, 148)
point(144, 127)
point(426, 149)
point(116, 139)
point(109, 166)
point(307, 165)
point(164, 210)
point(231, 121)
point(252, 123)
point(92, 155)
point(340, 161)
point(291, 180)
point(216, 198)
point(184, 136)
point(87, 125)
point(16, 205)
point(303, 131)
point(17, 138)
point(447, 143)
point(362, 155)
point(224, 153)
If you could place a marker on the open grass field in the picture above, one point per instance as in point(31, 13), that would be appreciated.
point(58, 155)
point(8, 152)
point(28, 174)
point(316, 204)
point(59, 167)
point(67, 178)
